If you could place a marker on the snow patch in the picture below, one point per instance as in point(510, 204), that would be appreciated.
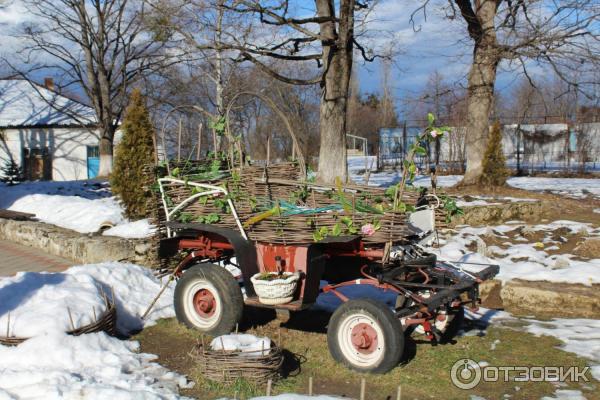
point(570, 187)
point(242, 342)
point(527, 261)
point(92, 366)
point(34, 303)
point(82, 206)
point(53, 364)
point(134, 287)
point(132, 230)
point(565, 394)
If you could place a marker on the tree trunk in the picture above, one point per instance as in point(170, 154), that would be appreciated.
point(337, 64)
point(106, 150)
point(482, 77)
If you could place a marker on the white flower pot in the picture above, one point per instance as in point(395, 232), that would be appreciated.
point(277, 291)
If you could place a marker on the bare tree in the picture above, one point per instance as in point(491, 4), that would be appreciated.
point(523, 33)
point(283, 32)
point(100, 46)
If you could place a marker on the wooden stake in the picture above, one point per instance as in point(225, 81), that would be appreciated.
point(161, 291)
point(268, 149)
point(94, 310)
point(310, 385)
point(363, 386)
point(236, 327)
point(179, 140)
point(269, 383)
point(222, 348)
point(71, 318)
point(199, 141)
point(8, 325)
point(214, 133)
point(399, 393)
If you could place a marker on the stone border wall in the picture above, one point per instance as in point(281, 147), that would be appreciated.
point(81, 248)
point(541, 298)
point(500, 213)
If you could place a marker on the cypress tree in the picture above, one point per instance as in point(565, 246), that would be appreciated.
point(134, 152)
point(495, 172)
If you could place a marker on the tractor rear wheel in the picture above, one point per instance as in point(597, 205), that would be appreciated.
point(365, 336)
point(208, 298)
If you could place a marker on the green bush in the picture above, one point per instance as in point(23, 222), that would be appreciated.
point(494, 172)
point(134, 152)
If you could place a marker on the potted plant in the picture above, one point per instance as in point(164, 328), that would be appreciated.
point(275, 287)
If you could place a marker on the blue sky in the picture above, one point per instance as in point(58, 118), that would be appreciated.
point(436, 45)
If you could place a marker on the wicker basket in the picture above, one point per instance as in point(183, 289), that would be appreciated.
point(277, 291)
point(229, 366)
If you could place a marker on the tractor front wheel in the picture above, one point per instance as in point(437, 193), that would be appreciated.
point(365, 336)
point(208, 298)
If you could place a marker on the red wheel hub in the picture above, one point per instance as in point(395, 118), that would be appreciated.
point(205, 303)
point(364, 338)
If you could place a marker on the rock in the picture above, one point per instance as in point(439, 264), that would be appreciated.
point(588, 248)
point(142, 248)
point(481, 247)
point(490, 233)
point(561, 262)
point(528, 232)
point(551, 299)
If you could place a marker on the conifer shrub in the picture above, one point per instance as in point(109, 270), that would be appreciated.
point(134, 152)
point(11, 173)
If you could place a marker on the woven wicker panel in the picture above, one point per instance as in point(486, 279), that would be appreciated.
point(107, 322)
point(229, 366)
point(281, 182)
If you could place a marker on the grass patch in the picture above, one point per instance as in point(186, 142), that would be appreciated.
point(424, 373)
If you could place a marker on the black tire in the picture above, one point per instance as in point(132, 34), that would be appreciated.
point(194, 306)
point(350, 318)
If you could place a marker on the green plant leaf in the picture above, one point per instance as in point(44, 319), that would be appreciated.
point(430, 118)
point(346, 221)
point(336, 230)
point(420, 150)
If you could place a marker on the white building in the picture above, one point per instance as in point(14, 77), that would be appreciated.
point(52, 137)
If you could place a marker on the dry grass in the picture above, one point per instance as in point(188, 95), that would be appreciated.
point(424, 372)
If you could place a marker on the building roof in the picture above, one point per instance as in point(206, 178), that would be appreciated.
point(25, 103)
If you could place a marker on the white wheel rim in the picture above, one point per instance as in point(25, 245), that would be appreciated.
point(364, 358)
point(201, 322)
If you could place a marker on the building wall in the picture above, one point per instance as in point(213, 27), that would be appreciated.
point(67, 148)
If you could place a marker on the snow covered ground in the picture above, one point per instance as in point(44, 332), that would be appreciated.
point(92, 366)
point(571, 187)
point(527, 260)
point(83, 206)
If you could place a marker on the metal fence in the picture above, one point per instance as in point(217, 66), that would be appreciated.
point(528, 148)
